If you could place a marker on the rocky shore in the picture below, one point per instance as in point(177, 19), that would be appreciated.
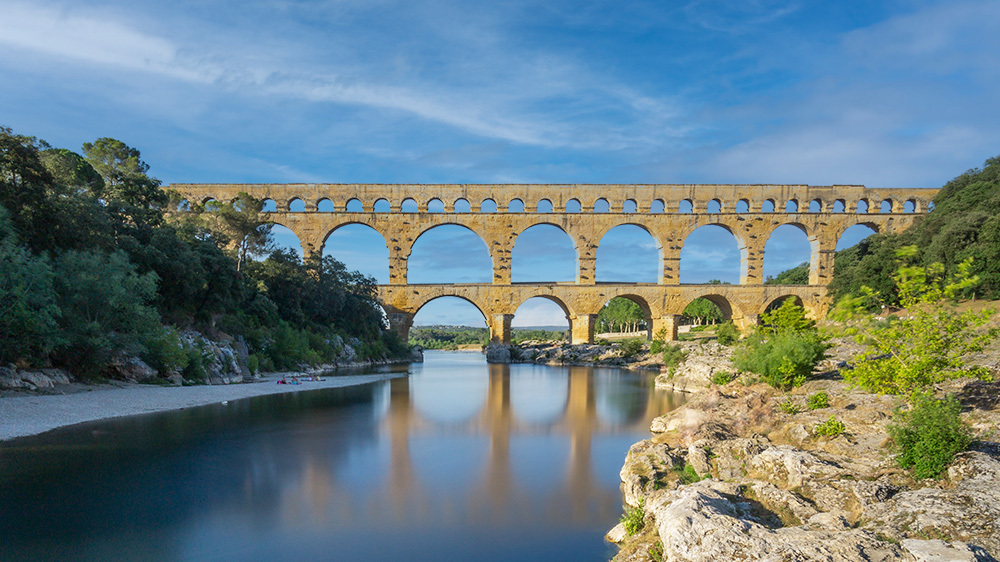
point(740, 473)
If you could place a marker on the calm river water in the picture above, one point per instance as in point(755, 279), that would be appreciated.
point(460, 460)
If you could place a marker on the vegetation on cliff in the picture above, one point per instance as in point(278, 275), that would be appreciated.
point(965, 223)
point(93, 266)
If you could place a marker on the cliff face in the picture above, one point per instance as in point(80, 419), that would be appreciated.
point(732, 475)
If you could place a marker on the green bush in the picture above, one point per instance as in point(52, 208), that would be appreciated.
point(727, 334)
point(782, 360)
point(673, 355)
point(784, 350)
point(631, 347)
point(722, 378)
point(253, 363)
point(929, 435)
point(819, 400)
point(789, 407)
point(634, 518)
point(659, 340)
point(831, 427)
point(165, 351)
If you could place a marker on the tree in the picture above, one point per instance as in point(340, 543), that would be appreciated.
point(703, 311)
point(909, 354)
point(24, 189)
point(129, 193)
point(243, 223)
point(798, 275)
point(28, 311)
point(621, 315)
point(784, 349)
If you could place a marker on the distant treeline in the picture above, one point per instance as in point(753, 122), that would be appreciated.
point(94, 266)
point(451, 337)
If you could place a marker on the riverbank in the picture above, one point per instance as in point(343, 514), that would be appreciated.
point(743, 470)
point(26, 415)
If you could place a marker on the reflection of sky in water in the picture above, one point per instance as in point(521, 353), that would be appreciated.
point(460, 460)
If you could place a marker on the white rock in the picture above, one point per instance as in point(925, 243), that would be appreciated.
point(938, 551)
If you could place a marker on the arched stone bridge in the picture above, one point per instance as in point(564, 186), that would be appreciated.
point(669, 213)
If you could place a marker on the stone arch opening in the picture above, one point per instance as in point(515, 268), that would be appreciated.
point(685, 206)
point(544, 206)
point(767, 206)
point(711, 254)
point(515, 206)
point(183, 205)
point(408, 206)
point(854, 234)
point(743, 206)
point(702, 313)
point(488, 206)
point(885, 206)
point(816, 206)
point(778, 301)
point(355, 206)
point(839, 206)
point(449, 309)
point(269, 206)
point(788, 247)
point(714, 206)
point(382, 206)
point(435, 206)
point(910, 206)
point(792, 206)
point(573, 206)
point(657, 206)
point(630, 206)
point(284, 238)
point(449, 253)
point(624, 315)
point(324, 205)
point(462, 206)
point(296, 206)
point(361, 248)
point(862, 206)
point(542, 310)
point(628, 253)
point(602, 206)
point(706, 302)
point(544, 253)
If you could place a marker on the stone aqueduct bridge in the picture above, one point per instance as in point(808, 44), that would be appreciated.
point(669, 213)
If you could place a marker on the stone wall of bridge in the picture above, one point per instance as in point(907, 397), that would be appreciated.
point(669, 213)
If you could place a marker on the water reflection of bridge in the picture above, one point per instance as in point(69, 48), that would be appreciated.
point(579, 420)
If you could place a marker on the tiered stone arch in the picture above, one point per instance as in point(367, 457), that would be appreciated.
point(738, 206)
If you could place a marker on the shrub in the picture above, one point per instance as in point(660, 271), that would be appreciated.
point(727, 334)
point(819, 400)
point(784, 350)
point(688, 475)
point(910, 354)
point(634, 518)
point(722, 378)
point(253, 363)
point(631, 347)
point(673, 355)
point(782, 360)
point(165, 351)
point(831, 427)
point(928, 436)
point(659, 340)
point(789, 407)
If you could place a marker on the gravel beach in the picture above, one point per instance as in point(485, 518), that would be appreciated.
point(30, 415)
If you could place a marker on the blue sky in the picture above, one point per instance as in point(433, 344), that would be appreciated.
point(893, 93)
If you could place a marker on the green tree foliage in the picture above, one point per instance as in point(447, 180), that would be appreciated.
point(105, 310)
point(965, 223)
point(703, 311)
point(621, 315)
point(243, 224)
point(911, 353)
point(88, 266)
point(929, 435)
point(28, 311)
point(784, 350)
point(727, 334)
point(798, 275)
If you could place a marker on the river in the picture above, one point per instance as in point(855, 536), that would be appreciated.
point(459, 460)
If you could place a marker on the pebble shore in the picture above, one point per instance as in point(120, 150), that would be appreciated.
point(30, 415)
